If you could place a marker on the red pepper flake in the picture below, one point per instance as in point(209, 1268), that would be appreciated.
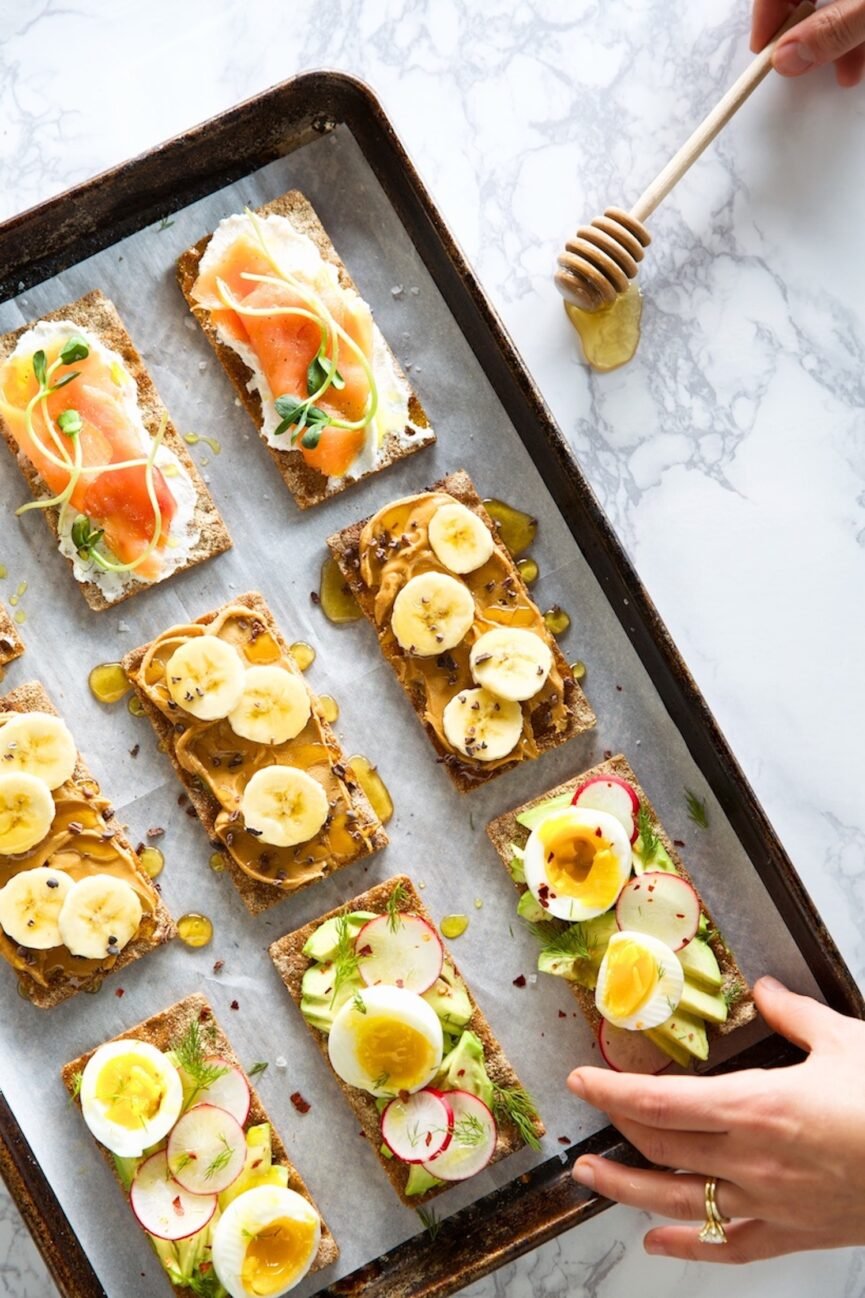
point(564, 1140)
point(608, 752)
point(461, 1072)
point(562, 1014)
point(680, 914)
point(118, 992)
point(234, 1005)
point(520, 980)
point(365, 950)
point(204, 1015)
point(678, 842)
point(218, 966)
point(204, 1267)
point(619, 688)
point(302, 1105)
point(177, 1205)
point(598, 833)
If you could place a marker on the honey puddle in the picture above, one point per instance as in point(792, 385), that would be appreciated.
point(609, 336)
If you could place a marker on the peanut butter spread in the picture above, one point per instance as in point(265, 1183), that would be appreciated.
point(224, 762)
point(80, 842)
point(394, 546)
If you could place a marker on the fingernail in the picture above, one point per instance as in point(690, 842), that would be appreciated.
point(654, 1246)
point(584, 1173)
point(792, 58)
point(577, 1085)
point(771, 984)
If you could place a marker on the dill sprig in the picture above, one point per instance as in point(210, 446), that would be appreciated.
point(77, 1079)
point(221, 1160)
point(395, 902)
point(346, 958)
point(260, 1067)
point(649, 839)
point(513, 1104)
point(469, 1131)
point(733, 993)
point(432, 1223)
point(205, 1284)
point(568, 943)
point(191, 1055)
point(697, 809)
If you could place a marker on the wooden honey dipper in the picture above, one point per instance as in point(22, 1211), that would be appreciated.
point(602, 258)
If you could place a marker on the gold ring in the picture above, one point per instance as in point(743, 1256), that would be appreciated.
point(713, 1229)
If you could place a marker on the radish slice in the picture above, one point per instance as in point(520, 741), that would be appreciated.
point(661, 904)
point(229, 1092)
point(206, 1150)
point(630, 1052)
point(614, 795)
point(407, 953)
point(418, 1128)
point(472, 1144)
point(163, 1207)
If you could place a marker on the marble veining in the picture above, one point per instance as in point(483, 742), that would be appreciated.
point(729, 454)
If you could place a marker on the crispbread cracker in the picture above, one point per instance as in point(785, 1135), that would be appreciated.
point(33, 697)
point(465, 775)
point(162, 1031)
point(96, 312)
point(505, 830)
point(307, 485)
point(11, 644)
point(291, 963)
point(256, 896)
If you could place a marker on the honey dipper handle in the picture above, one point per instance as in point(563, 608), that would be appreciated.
point(716, 119)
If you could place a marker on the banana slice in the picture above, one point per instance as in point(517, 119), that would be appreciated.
point(284, 806)
point(30, 905)
point(99, 917)
point(39, 744)
point(273, 708)
point(511, 662)
point(205, 677)
point(432, 613)
point(460, 540)
point(482, 726)
point(26, 811)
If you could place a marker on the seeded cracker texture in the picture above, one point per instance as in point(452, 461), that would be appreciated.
point(165, 1030)
point(292, 964)
point(11, 644)
point(505, 830)
point(33, 697)
point(256, 896)
point(465, 774)
point(307, 485)
point(97, 313)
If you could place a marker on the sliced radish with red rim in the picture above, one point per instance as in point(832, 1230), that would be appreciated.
point(401, 952)
point(163, 1207)
point(630, 1052)
point(229, 1092)
point(418, 1128)
point(661, 904)
point(472, 1143)
point(206, 1150)
point(614, 795)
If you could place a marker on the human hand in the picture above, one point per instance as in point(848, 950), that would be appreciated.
point(786, 1145)
point(834, 34)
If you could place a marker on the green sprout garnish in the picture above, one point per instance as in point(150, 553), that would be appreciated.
point(513, 1104)
point(697, 809)
point(69, 423)
point(85, 538)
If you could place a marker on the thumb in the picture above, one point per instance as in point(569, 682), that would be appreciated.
point(800, 1019)
point(829, 33)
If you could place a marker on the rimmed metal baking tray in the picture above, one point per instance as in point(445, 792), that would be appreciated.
point(57, 234)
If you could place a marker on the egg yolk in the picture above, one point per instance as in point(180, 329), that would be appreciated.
point(631, 976)
point(275, 1255)
point(132, 1090)
point(580, 864)
point(391, 1053)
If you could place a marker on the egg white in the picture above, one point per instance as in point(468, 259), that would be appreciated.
point(125, 1141)
point(664, 994)
point(247, 1215)
point(535, 860)
point(396, 1004)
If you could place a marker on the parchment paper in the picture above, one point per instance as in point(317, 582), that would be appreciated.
point(436, 835)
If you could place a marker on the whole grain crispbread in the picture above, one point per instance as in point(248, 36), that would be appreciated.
point(466, 775)
point(307, 485)
point(163, 1031)
point(11, 644)
point(505, 830)
point(256, 896)
point(33, 697)
point(97, 313)
point(292, 964)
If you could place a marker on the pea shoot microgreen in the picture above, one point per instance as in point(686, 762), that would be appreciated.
point(69, 423)
point(85, 537)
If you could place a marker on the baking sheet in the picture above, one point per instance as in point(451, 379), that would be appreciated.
point(437, 836)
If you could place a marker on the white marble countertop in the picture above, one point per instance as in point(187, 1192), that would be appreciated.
point(729, 454)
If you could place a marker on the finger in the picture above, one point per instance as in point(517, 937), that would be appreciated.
point(681, 1103)
point(767, 17)
point(687, 1151)
point(833, 30)
point(683, 1197)
point(850, 66)
point(747, 1241)
point(800, 1019)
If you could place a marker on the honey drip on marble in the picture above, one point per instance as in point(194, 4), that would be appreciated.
point(362, 770)
point(337, 602)
point(108, 682)
point(609, 336)
point(194, 929)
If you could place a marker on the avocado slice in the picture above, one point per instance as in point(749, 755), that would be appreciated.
point(450, 1000)
point(464, 1069)
point(126, 1169)
point(419, 1180)
point(318, 1005)
point(532, 816)
point(259, 1168)
point(596, 934)
point(661, 859)
point(322, 944)
point(685, 1031)
point(670, 1046)
point(515, 865)
point(528, 908)
point(694, 1000)
point(700, 965)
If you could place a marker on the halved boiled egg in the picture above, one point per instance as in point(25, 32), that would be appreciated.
point(131, 1096)
point(577, 861)
point(386, 1040)
point(640, 981)
point(265, 1242)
